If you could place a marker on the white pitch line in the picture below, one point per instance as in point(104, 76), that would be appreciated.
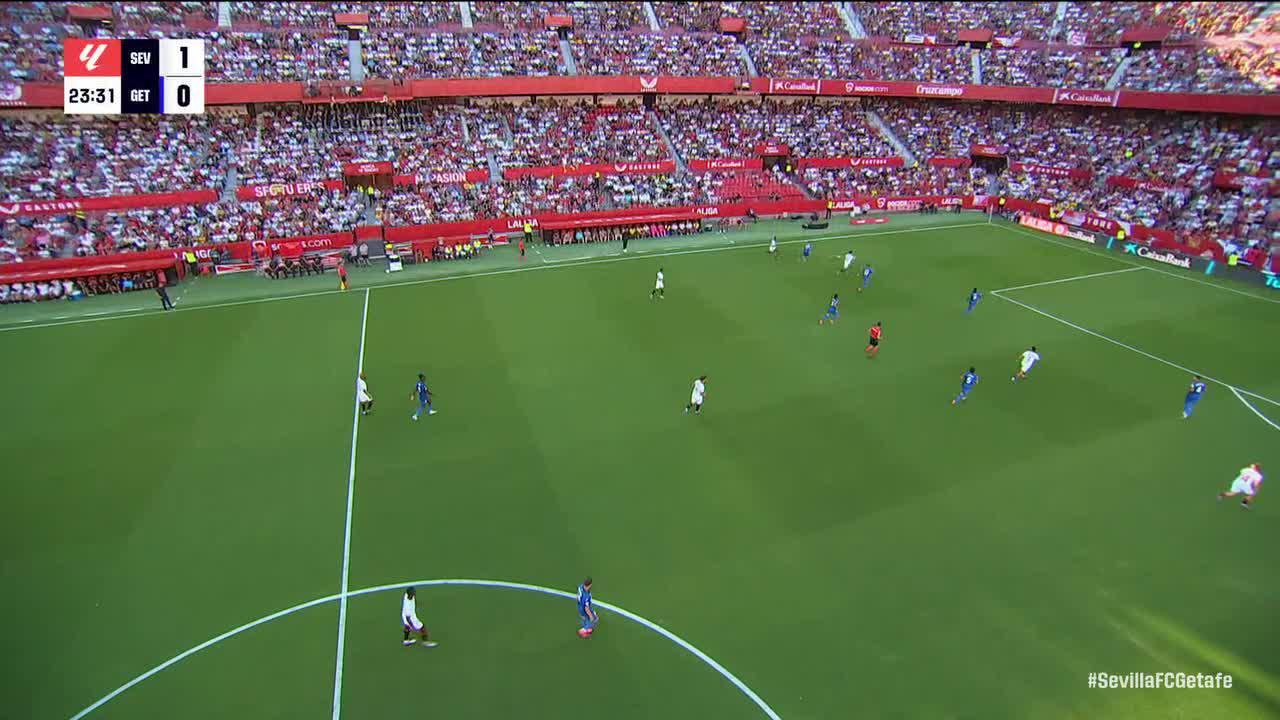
point(1084, 248)
point(623, 612)
point(346, 537)
point(1069, 279)
point(1249, 405)
point(487, 273)
point(1131, 348)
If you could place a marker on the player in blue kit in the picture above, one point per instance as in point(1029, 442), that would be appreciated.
point(833, 312)
point(808, 248)
point(423, 395)
point(1193, 396)
point(586, 613)
point(974, 297)
point(967, 381)
point(866, 277)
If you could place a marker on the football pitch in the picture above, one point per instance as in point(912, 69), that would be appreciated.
point(197, 524)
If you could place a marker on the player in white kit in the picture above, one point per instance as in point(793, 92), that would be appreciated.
point(695, 400)
point(1246, 483)
point(1026, 361)
point(848, 261)
point(363, 396)
point(658, 286)
point(773, 247)
point(409, 617)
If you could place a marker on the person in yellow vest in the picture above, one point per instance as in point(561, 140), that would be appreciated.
point(1120, 235)
point(193, 263)
point(1233, 259)
point(528, 232)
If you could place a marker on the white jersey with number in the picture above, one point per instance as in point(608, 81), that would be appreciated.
point(848, 260)
point(698, 390)
point(362, 390)
point(1247, 481)
point(658, 284)
point(409, 613)
point(1029, 360)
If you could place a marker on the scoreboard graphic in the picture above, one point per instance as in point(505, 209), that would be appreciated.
point(133, 76)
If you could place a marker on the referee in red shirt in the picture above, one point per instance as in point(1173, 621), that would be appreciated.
point(873, 345)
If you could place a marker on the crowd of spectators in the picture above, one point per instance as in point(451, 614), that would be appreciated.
point(292, 55)
point(654, 54)
point(789, 20)
point(1206, 19)
point(563, 133)
point(1186, 69)
point(616, 233)
point(920, 180)
point(83, 156)
point(292, 216)
point(739, 186)
point(401, 54)
point(810, 57)
point(1064, 137)
point(945, 19)
point(728, 129)
point(1050, 67)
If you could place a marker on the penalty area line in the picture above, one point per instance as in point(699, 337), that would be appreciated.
point(1139, 351)
point(526, 587)
point(1253, 409)
point(1069, 279)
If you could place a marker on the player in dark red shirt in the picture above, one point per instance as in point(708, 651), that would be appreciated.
point(873, 345)
point(342, 275)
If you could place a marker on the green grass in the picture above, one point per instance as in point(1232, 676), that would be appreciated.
point(831, 530)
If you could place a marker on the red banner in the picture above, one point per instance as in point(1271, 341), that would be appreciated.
point(454, 177)
point(915, 202)
point(118, 202)
point(989, 150)
point(368, 168)
point(950, 162)
point(1055, 171)
point(1224, 180)
point(656, 167)
point(88, 267)
point(1133, 183)
point(726, 164)
point(773, 149)
point(50, 94)
point(850, 162)
point(264, 192)
point(785, 87)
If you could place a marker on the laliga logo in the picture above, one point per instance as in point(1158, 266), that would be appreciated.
point(91, 53)
point(648, 83)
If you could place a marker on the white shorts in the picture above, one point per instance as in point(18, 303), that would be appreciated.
point(846, 265)
point(696, 399)
point(411, 622)
point(1027, 368)
point(1242, 486)
point(364, 398)
point(657, 285)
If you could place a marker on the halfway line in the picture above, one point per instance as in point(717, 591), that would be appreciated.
point(346, 537)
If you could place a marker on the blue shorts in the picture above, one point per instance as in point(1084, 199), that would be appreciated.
point(832, 312)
